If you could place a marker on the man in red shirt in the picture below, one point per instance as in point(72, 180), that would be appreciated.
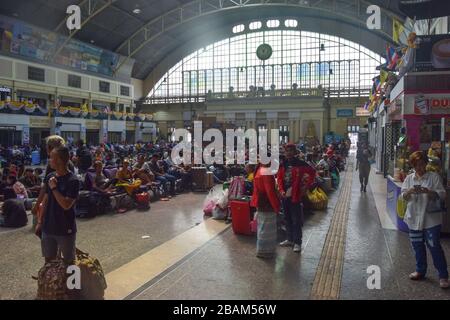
point(293, 178)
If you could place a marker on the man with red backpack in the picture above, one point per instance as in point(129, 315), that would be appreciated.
point(293, 178)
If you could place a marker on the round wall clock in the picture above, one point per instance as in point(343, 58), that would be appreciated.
point(264, 52)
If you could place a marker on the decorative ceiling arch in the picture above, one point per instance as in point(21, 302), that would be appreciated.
point(349, 11)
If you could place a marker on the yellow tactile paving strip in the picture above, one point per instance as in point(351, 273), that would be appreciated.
point(327, 282)
point(133, 275)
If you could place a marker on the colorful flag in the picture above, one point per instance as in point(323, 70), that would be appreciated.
point(383, 76)
point(392, 57)
point(397, 30)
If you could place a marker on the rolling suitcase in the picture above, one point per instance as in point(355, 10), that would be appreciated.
point(241, 217)
point(199, 178)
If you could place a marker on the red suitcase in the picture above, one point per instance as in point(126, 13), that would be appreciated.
point(241, 217)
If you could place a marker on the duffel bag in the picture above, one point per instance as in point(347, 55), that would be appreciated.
point(93, 282)
point(123, 202)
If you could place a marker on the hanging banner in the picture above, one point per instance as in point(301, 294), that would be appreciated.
point(25, 135)
point(83, 133)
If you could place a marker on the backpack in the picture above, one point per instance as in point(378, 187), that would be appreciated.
point(52, 281)
point(14, 213)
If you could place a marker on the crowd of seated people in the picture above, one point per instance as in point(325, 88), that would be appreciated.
point(113, 169)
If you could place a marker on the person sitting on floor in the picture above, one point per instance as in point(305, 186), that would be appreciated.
point(100, 183)
point(31, 182)
point(141, 170)
point(125, 178)
point(178, 171)
point(18, 187)
point(323, 164)
point(162, 176)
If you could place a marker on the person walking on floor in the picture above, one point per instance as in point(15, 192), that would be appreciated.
point(293, 178)
point(363, 155)
point(423, 191)
point(267, 204)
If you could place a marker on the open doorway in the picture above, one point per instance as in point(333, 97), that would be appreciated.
point(353, 136)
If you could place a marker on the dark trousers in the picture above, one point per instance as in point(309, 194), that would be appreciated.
point(167, 178)
point(430, 237)
point(293, 213)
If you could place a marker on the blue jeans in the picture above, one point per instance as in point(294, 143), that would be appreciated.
point(432, 239)
point(167, 178)
point(293, 213)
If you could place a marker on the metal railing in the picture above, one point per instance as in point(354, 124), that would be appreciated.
point(262, 94)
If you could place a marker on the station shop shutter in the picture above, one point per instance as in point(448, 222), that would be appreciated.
point(392, 136)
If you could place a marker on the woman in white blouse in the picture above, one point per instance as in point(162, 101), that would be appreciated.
point(423, 191)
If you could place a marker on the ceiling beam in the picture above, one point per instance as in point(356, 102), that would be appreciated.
point(91, 14)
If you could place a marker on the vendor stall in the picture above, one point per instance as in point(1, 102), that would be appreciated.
point(419, 117)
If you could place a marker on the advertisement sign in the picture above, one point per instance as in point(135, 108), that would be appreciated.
point(433, 53)
point(21, 39)
point(435, 104)
point(361, 112)
point(344, 113)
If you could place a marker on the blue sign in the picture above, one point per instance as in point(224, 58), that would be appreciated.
point(344, 113)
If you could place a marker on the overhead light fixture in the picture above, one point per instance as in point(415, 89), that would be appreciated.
point(92, 41)
point(137, 11)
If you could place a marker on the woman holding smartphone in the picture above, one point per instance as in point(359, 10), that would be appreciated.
point(423, 191)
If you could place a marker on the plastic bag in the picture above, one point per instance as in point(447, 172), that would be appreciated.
point(401, 207)
point(218, 213)
point(211, 201)
point(223, 200)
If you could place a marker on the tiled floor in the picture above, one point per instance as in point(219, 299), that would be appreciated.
point(185, 258)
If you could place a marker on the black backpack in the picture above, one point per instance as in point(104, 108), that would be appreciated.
point(14, 214)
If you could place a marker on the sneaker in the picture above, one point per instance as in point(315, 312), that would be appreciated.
point(286, 243)
point(365, 188)
point(362, 188)
point(444, 284)
point(416, 276)
point(297, 248)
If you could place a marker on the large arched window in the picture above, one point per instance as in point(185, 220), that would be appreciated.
point(300, 59)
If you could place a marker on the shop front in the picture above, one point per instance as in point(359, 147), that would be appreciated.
point(418, 122)
point(92, 132)
point(39, 129)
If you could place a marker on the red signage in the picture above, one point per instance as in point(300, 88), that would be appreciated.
point(440, 103)
point(426, 106)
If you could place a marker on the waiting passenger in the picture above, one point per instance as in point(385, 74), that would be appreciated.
point(141, 170)
point(100, 183)
point(31, 182)
point(424, 192)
